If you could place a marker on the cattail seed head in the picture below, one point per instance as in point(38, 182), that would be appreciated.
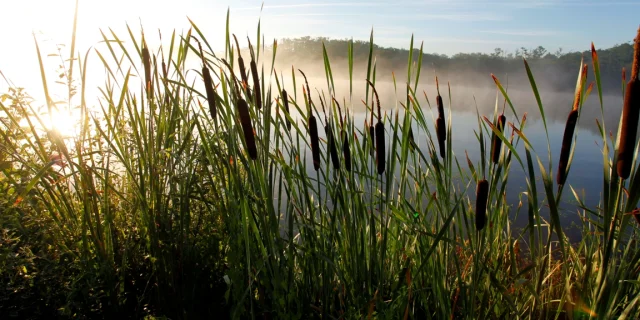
point(211, 95)
point(567, 140)
point(496, 143)
point(441, 131)
point(243, 71)
point(380, 152)
point(440, 106)
point(630, 113)
point(347, 153)
point(285, 101)
point(247, 128)
point(315, 145)
point(482, 194)
point(256, 84)
point(146, 62)
point(333, 151)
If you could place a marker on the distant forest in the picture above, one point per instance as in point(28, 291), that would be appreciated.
point(552, 70)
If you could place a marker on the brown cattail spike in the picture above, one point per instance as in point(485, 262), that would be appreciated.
point(440, 108)
point(441, 132)
point(630, 113)
point(285, 101)
point(567, 139)
point(208, 83)
point(482, 194)
point(379, 132)
point(315, 145)
point(333, 151)
point(146, 62)
point(243, 71)
point(247, 128)
point(496, 142)
point(256, 84)
point(211, 95)
point(380, 160)
point(345, 140)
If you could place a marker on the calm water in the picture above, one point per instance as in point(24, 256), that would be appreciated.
point(585, 177)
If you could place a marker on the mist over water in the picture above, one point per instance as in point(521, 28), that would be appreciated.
point(585, 175)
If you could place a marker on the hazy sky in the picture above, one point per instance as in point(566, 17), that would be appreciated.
point(445, 26)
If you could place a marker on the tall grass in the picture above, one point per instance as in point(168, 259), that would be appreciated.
point(165, 207)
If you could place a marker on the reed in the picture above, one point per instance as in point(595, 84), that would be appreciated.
point(630, 113)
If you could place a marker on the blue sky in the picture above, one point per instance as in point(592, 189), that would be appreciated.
point(446, 27)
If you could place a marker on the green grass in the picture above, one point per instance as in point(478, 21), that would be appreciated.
point(160, 211)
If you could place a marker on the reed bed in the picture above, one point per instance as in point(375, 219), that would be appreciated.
point(160, 207)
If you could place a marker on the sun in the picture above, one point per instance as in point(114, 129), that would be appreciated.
point(65, 122)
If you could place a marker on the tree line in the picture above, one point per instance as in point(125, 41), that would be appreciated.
point(552, 70)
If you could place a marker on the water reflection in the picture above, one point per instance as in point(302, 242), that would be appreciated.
point(585, 176)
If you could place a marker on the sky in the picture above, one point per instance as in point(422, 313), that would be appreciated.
point(446, 27)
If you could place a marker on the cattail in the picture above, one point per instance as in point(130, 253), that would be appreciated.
point(345, 140)
point(379, 133)
point(496, 142)
point(313, 127)
point(482, 194)
point(146, 62)
point(347, 153)
point(247, 128)
point(315, 146)
point(208, 85)
point(566, 146)
point(380, 147)
point(256, 80)
point(441, 132)
point(333, 151)
point(572, 120)
point(243, 72)
point(630, 112)
point(285, 101)
point(440, 109)
point(256, 84)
